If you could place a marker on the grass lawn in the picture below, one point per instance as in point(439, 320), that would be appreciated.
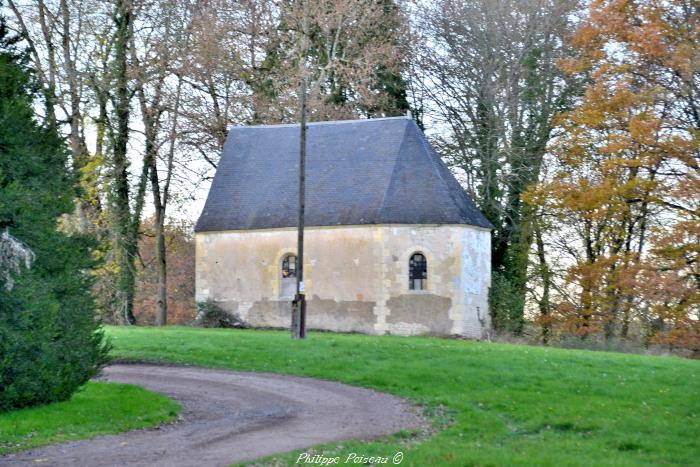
point(99, 408)
point(498, 404)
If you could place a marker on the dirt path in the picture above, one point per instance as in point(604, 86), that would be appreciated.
point(231, 417)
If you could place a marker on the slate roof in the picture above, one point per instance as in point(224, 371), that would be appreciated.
point(375, 171)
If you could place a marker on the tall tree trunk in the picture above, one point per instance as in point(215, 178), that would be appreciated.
point(125, 247)
point(49, 87)
point(161, 297)
point(150, 112)
point(78, 147)
point(587, 287)
point(546, 278)
point(161, 258)
point(151, 124)
point(86, 202)
point(51, 58)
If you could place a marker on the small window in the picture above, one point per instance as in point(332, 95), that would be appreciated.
point(289, 266)
point(417, 272)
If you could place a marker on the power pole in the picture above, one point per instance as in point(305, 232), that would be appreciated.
point(299, 303)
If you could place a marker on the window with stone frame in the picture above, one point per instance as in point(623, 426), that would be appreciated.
point(417, 272)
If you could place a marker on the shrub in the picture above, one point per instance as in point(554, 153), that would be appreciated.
point(211, 315)
point(49, 342)
point(505, 304)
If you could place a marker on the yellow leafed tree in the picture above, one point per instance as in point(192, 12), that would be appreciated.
point(627, 184)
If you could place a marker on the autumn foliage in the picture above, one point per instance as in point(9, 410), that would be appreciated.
point(180, 272)
point(624, 193)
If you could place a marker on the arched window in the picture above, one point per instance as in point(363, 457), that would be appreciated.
point(289, 266)
point(417, 272)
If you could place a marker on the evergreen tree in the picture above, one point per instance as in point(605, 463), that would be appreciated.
point(50, 343)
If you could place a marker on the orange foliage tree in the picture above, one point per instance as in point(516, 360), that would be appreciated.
point(625, 192)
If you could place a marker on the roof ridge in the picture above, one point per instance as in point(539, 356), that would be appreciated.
point(324, 122)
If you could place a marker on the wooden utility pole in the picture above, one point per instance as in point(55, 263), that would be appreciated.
point(299, 303)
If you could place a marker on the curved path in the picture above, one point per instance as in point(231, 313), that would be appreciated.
point(231, 417)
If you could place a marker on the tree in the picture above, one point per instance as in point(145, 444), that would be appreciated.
point(179, 243)
point(626, 183)
point(50, 343)
point(242, 65)
point(356, 54)
point(58, 38)
point(489, 72)
point(156, 55)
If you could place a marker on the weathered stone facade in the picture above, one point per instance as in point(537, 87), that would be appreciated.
point(356, 277)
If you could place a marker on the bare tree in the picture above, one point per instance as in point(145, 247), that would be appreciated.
point(59, 37)
point(157, 50)
point(357, 52)
point(226, 45)
point(489, 70)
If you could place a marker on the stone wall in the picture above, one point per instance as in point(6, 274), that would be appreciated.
point(356, 277)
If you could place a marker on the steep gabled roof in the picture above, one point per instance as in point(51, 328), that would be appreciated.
point(376, 171)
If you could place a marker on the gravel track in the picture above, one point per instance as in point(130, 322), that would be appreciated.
point(231, 417)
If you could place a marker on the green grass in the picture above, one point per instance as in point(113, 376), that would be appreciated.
point(497, 404)
point(99, 408)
